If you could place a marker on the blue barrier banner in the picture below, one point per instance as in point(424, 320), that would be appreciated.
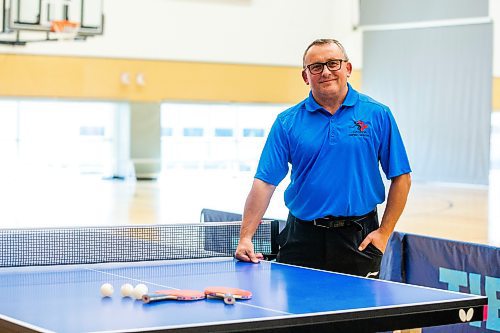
point(392, 265)
point(457, 266)
point(212, 215)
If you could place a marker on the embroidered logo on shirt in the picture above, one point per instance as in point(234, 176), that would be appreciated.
point(361, 127)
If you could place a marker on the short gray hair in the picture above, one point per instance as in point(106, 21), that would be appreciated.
point(324, 41)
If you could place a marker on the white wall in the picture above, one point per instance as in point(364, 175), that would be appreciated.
point(273, 32)
point(495, 14)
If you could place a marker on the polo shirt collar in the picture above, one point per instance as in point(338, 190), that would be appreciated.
point(350, 99)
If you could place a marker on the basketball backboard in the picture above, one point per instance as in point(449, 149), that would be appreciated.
point(39, 16)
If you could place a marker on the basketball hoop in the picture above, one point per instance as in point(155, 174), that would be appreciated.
point(64, 29)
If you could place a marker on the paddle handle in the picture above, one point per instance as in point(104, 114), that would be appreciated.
point(148, 298)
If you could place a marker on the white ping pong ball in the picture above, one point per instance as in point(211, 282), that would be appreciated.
point(139, 290)
point(126, 290)
point(107, 290)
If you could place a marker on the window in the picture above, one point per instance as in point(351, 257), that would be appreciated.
point(193, 131)
point(215, 137)
point(253, 132)
point(8, 131)
point(226, 132)
point(166, 131)
point(91, 131)
point(58, 134)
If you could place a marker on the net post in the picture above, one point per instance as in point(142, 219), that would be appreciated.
point(275, 230)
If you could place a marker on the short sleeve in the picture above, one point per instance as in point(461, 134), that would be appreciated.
point(392, 153)
point(273, 163)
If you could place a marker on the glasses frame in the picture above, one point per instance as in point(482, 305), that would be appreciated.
point(326, 64)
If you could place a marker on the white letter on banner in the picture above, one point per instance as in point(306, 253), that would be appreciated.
point(475, 288)
point(492, 287)
point(454, 278)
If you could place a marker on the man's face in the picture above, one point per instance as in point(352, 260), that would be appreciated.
point(327, 83)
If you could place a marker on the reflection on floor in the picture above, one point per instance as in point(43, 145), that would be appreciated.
point(467, 213)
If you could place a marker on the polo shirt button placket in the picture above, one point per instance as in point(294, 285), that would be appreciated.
point(332, 132)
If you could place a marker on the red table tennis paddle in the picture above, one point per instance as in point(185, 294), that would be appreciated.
point(179, 295)
point(229, 295)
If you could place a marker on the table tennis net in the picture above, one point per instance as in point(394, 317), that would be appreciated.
point(85, 245)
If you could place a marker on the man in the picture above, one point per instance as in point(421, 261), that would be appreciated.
point(334, 141)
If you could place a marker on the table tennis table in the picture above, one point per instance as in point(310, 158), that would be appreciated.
point(286, 298)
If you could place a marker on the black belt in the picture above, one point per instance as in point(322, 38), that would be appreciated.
point(332, 222)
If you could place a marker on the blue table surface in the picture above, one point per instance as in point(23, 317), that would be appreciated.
point(67, 298)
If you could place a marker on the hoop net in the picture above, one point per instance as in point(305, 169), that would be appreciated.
point(64, 29)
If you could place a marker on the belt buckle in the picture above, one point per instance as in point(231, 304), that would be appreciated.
point(340, 223)
point(331, 223)
point(316, 224)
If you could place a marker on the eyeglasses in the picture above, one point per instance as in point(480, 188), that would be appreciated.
point(332, 65)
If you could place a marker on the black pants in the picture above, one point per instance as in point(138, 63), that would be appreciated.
point(332, 249)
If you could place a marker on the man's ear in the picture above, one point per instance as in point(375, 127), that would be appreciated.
point(349, 69)
point(304, 77)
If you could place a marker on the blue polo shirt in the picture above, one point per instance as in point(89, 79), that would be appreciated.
point(334, 158)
